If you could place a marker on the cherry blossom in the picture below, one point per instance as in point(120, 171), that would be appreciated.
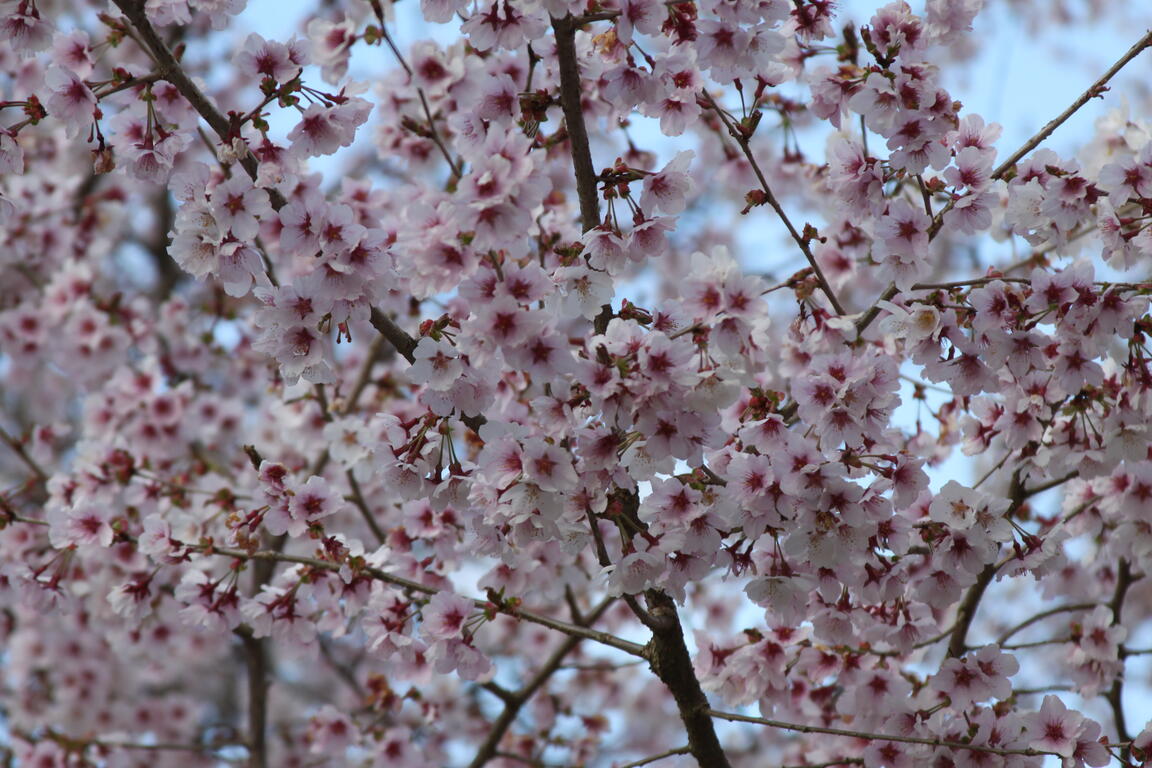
point(72, 101)
point(419, 423)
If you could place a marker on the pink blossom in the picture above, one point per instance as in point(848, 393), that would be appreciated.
point(268, 58)
point(11, 153)
point(445, 616)
point(323, 130)
point(667, 191)
point(1055, 728)
point(437, 364)
point(72, 101)
point(26, 30)
point(331, 46)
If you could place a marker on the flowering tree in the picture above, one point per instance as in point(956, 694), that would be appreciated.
point(482, 452)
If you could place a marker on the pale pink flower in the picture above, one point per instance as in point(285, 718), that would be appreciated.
point(260, 58)
point(71, 101)
point(445, 615)
point(323, 130)
point(437, 364)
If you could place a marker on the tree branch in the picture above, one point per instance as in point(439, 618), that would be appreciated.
point(1115, 695)
point(396, 336)
point(736, 718)
point(670, 661)
point(1008, 633)
point(570, 98)
point(267, 556)
point(18, 448)
point(1096, 89)
point(514, 701)
point(606, 561)
point(1018, 494)
point(256, 661)
point(169, 68)
point(742, 141)
point(358, 501)
point(653, 758)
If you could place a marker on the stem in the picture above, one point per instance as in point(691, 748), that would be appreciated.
point(1096, 89)
point(742, 142)
point(733, 717)
point(268, 556)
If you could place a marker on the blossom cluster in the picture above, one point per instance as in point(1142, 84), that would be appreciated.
point(433, 404)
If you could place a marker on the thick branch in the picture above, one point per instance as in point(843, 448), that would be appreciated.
point(670, 661)
point(1115, 695)
point(570, 97)
point(256, 661)
point(395, 335)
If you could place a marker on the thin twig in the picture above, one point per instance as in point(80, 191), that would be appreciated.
point(655, 758)
point(18, 448)
point(1007, 634)
point(606, 561)
point(343, 672)
point(742, 141)
point(364, 378)
point(434, 134)
point(1094, 90)
point(604, 638)
point(514, 701)
point(124, 85)
point(737, 718)
point(358, 501)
